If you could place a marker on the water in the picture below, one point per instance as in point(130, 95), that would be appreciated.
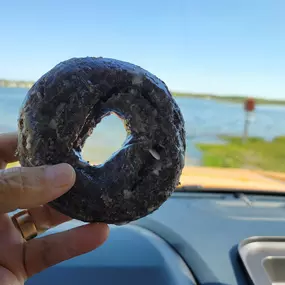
point(205, 119)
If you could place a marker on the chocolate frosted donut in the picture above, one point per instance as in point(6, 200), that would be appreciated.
point(65, 105)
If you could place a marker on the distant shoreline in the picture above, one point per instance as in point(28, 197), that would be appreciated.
point(233, 99)
point(15, 83)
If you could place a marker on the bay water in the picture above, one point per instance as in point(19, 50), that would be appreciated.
point(205, 120)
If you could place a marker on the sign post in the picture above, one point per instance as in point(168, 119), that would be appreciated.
point(249, 106)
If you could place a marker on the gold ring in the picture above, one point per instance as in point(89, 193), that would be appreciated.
point(24, 222)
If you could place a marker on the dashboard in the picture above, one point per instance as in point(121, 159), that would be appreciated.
point(193, 238)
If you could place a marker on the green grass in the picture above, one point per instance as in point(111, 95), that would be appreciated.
point(254, 154)
point(232, 99)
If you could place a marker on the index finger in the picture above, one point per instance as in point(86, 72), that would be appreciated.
point(8, 145)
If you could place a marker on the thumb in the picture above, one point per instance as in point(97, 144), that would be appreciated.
point(26, 187)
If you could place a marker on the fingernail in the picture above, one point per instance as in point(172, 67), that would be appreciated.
point(61, 175)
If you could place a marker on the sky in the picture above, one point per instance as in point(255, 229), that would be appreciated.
point(234, 47)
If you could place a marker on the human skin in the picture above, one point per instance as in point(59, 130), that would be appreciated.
point(32, 188)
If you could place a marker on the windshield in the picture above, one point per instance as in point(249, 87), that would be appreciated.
point(223, 62)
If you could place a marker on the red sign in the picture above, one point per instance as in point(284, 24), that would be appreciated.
point(249, 104)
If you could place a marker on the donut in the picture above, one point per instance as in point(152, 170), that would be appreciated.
point(61, 110)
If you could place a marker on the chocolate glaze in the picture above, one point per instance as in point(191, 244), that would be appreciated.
point(65, 105)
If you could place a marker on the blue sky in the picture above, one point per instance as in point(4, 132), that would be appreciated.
point(217, 46)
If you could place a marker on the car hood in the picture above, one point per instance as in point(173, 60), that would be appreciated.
point(230, 178)
point(227, 178)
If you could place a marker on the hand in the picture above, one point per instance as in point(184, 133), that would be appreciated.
point(31, 188)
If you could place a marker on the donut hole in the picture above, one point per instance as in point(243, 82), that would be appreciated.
point(107, 137)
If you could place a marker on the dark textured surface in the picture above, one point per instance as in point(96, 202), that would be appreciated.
point(60, 112)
